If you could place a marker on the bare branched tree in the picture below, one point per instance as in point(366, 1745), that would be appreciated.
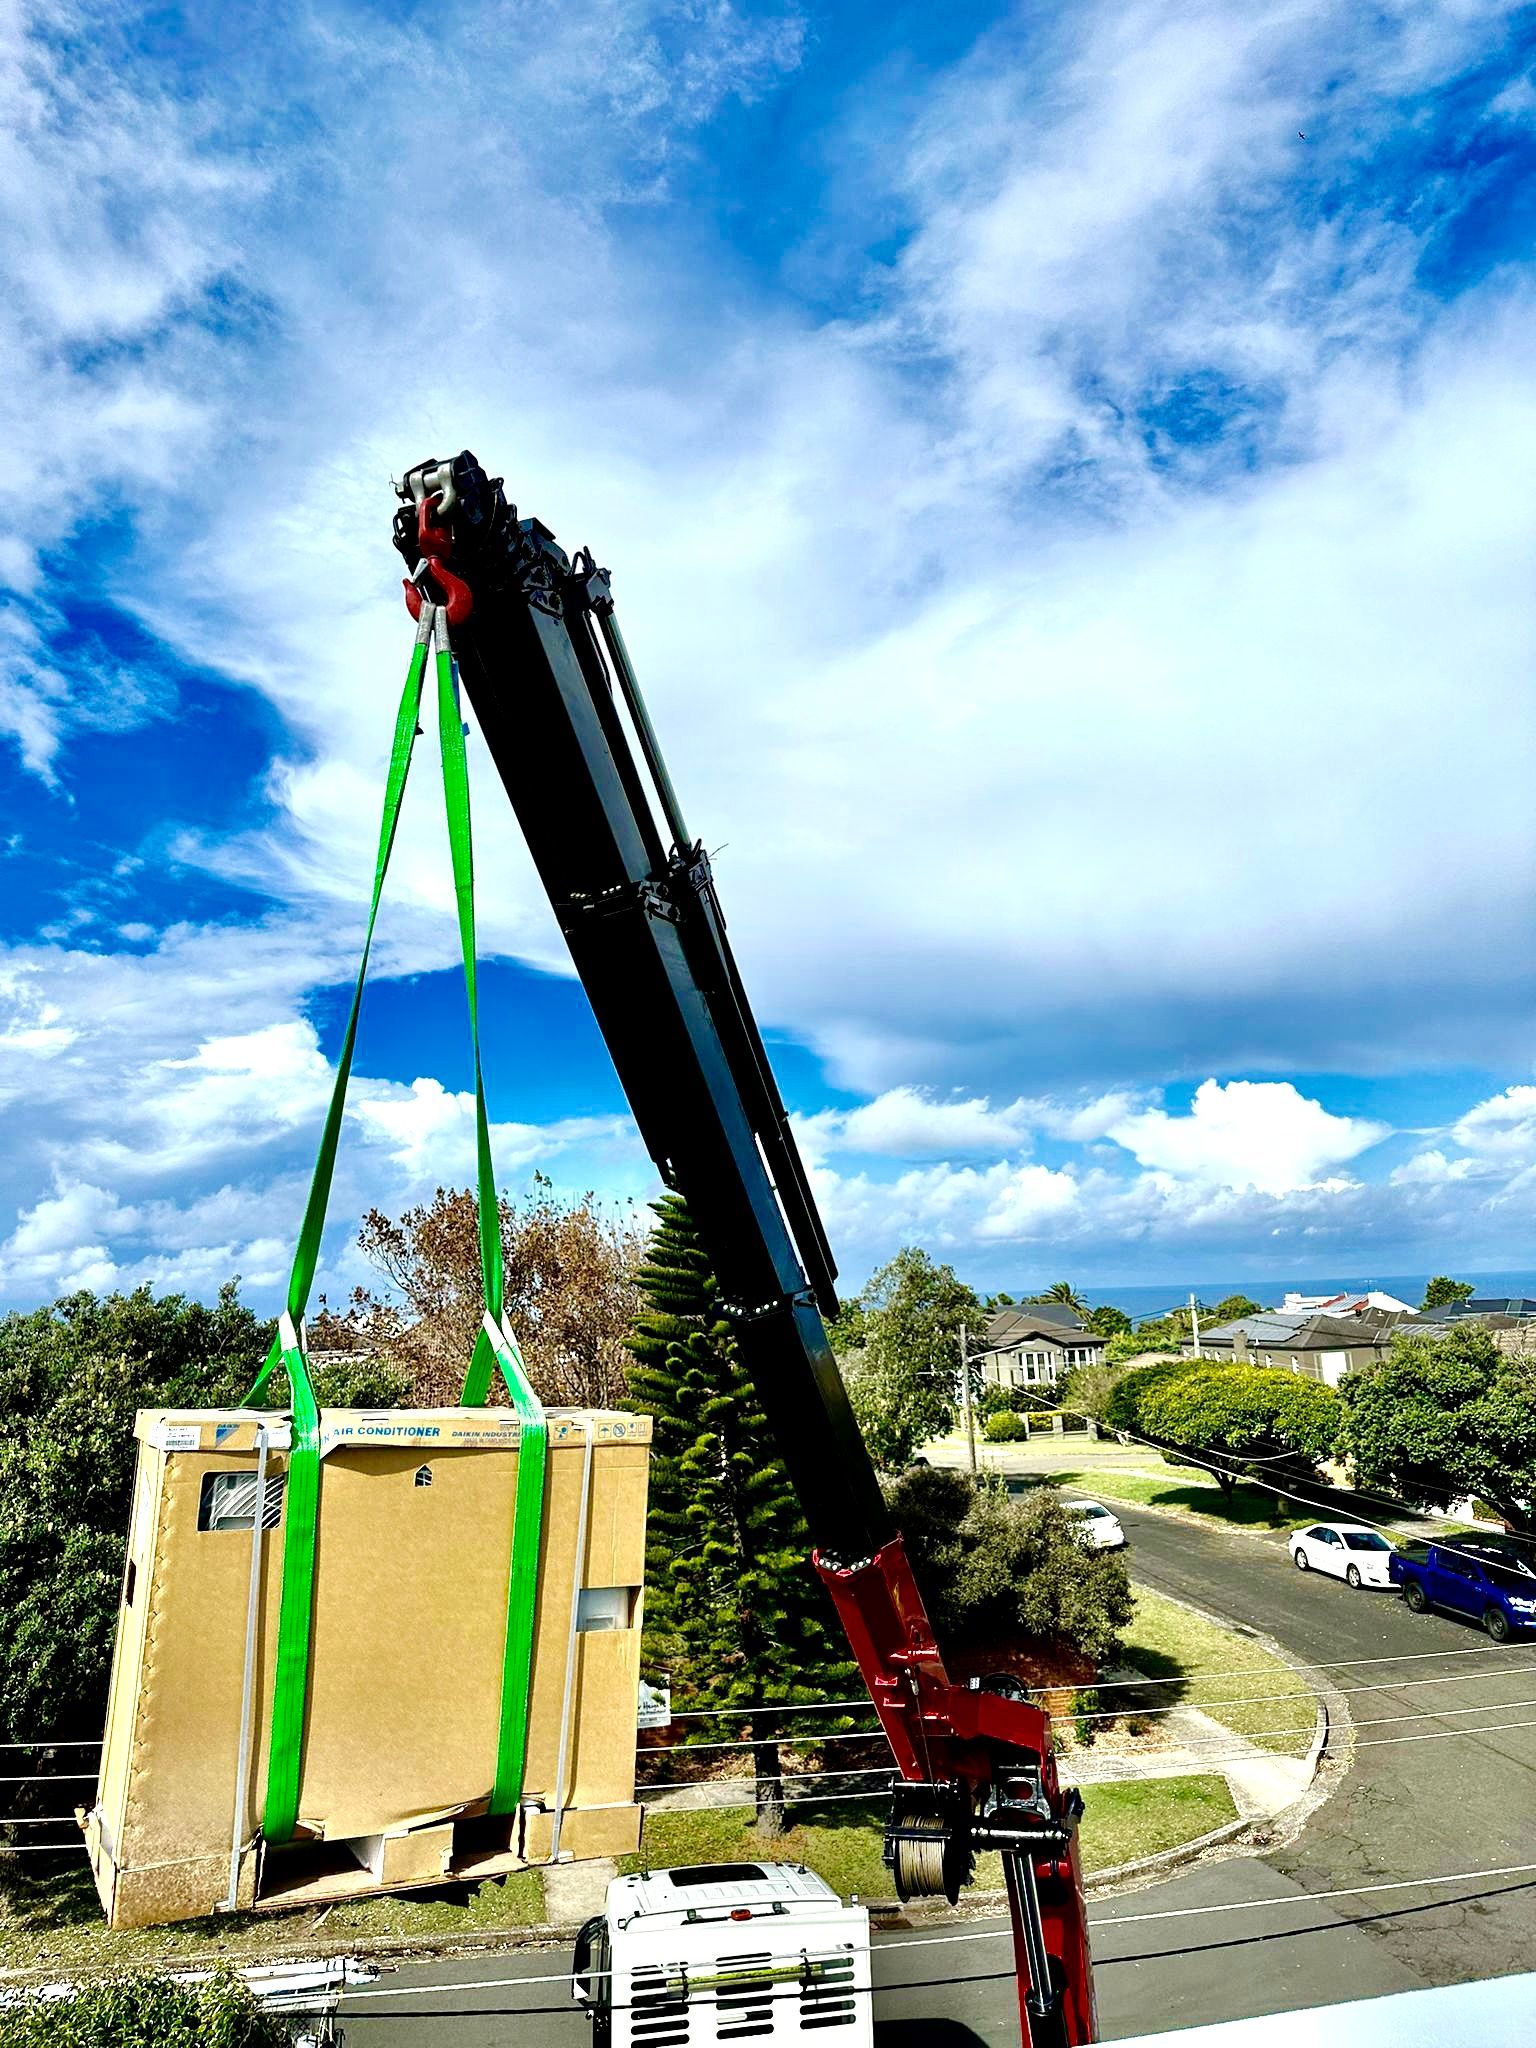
point(570, 1269)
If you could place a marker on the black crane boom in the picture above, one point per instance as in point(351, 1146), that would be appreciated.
point(549, 676)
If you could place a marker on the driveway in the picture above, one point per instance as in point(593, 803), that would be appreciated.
point(1464, 1800)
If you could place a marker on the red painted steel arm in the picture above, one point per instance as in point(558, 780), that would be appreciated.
point(996, 1752)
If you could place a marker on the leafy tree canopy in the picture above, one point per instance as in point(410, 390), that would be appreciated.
point(1087, 1388)
point(1444, 1292)
point(1231, 1307)
point(898, 1344)
point(995, 1570)
point(995, 1400)
point(1443, 1416)
point(1233, 1414)
point(145, 2011)
point(1108, 1321)
point(71, 1378)
point(1063, 1292)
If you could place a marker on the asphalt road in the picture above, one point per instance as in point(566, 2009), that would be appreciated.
point(1463, 1800)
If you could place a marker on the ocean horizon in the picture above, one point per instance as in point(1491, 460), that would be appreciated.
point(1147, 1298)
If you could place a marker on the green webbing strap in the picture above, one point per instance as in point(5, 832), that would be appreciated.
point(495, 1343)
point(291, 1676)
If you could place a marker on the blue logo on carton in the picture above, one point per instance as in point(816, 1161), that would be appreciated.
point(222, 1430)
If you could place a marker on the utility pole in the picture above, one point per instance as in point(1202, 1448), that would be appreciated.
point(965, 1394)
point(1194, 1322)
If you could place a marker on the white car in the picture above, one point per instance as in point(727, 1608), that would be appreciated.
point(1102, 1529)
point(1345, 1551)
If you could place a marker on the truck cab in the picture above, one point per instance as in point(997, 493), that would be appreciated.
point(724, 1952)
point(1489, 1581)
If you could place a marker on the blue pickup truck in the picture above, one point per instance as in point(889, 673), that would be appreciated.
point(1488, 1580)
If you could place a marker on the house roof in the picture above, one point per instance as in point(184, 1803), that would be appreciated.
point(1517, 1305)
point(1271, 1326)
point(1009, 1326)
point(1328, 1333)
point(1049, 1312)
point(1290, 1330)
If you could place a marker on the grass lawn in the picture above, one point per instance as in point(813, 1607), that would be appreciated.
point(1165, 1640)
point(55, 1922)
point(1246, 1507)
point(1121, 1822)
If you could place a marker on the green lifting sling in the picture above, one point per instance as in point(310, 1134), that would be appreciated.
point(495, 1344)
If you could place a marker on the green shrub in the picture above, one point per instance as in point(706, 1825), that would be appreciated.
point(1087, 1704)
point(145, 2010)
point(71, 1378)
point(995, 1570)
point(1006, 1428)
point(995, 1401)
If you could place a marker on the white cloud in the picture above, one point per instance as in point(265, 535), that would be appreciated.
point(1503, 1127)
point(1430, 1169)
point(911, 1123)
point(944, 762)
point(1240, 1134)
point(58, 1245)
point(216, 1135)
point(933, 765)
point(943, 1207)
point(429, 1130)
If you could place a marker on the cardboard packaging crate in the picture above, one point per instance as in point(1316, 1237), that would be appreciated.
point(411, 1568)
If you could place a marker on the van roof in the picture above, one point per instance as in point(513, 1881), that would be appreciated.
point(713, 1886)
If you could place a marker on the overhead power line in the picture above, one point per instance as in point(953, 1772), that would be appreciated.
point(52, 1742)
point(924, 1941)
point(1318, 1509)
point(1306, 1693)
point(53, 1778)
point(1314, 1663)
point(1194, 1747)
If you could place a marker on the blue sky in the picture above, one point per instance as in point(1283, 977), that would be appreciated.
point(1066, 477)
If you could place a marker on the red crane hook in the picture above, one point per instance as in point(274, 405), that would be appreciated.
point(436, 545)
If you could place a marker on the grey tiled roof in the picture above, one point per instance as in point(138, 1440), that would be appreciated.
point(1517, 1305)
point(1025, 1325)
point(1273, 1326)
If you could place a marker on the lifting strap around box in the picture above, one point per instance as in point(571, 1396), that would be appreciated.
point(495, 1342)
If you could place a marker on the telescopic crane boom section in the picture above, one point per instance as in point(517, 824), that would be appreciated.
point(549, 676)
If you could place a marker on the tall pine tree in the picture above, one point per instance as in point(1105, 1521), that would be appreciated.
point(733, 1606)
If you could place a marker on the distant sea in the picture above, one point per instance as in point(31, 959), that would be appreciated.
point(1141, 1301)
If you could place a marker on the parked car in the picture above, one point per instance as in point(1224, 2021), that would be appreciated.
point(1488, 1581)
point(1102, 1529)
point(1345, 1551)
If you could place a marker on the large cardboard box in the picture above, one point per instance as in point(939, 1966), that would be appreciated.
point(411, 1570)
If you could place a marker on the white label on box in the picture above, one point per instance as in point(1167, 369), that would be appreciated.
point(181, 1436)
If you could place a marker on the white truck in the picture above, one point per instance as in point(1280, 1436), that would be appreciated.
point(724, 1952)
